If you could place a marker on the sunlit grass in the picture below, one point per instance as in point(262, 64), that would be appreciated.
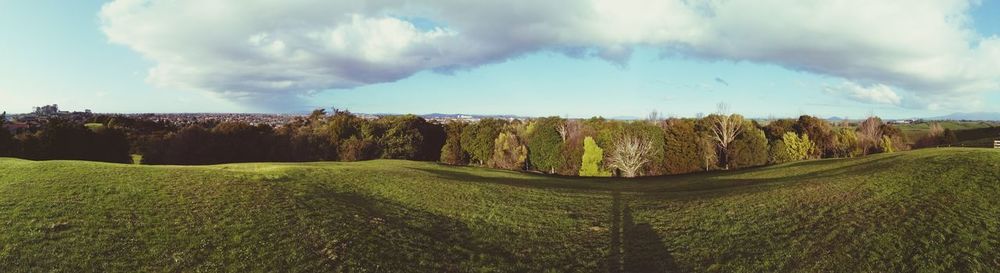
point(925, 210)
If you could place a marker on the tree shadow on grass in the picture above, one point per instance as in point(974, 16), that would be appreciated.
point(540, 182)
point(351, 232)
point(635, 247)
point(685, 185)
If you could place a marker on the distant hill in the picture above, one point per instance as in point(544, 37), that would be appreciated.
point(994, 116)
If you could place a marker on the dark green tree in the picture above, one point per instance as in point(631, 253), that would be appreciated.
point(545, 144)
point(749, 149)
point(681, 146)
point(478, 139)
point(451, 152)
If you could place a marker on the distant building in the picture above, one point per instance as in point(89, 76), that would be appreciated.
point(47, 110)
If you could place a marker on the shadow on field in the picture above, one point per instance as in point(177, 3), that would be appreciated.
point(541, 182)
point(635, 247)
point(711, 183)
point(349, 231)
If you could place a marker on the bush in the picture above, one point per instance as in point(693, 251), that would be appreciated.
point(593, 155)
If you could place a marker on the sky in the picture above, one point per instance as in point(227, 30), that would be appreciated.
point(574, 58)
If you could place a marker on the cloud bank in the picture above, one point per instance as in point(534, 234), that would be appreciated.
point(875, 94)
point(265, 51)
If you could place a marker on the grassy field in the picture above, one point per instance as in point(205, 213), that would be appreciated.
point(969, 133)
point(932, 210)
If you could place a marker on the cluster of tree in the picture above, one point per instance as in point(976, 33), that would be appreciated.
point(572, 147)
point(341, 136)
point(937, 136)
point(599, 147)
point(65, 139)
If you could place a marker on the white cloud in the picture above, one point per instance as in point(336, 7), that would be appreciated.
point(263, 50)
point(875, 94)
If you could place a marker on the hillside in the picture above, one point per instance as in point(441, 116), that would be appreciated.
point(923, 210)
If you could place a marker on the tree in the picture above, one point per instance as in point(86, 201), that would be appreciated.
point(949, 137)
point(792, 147)
point(820, 132)
point(846, 143)
point(777, 153)
point(898, 138)
point(451, 152)
point(110, 145)
point(749, 149)
point(545, 144)
point(886, 145)
point(681, 146)
point(796, 147)
point(776, 129)
point(630, 153)
point(478, 138)
point(870, 134)
point(934, 137)
point(6, 139)
point(592, 157)
point(402, 138)
point(573, 132)
point(509, 153)
point(357, 149)
point(725, 129)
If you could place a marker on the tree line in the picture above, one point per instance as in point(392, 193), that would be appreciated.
point(66, 139)
point(552, 145)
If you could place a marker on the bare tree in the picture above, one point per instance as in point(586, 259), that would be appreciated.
point(629, 154)
point(725, 129)
point(563, 130)
point(654, 117)
point(869, 134)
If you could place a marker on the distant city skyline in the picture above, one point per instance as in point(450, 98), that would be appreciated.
point(896, 59)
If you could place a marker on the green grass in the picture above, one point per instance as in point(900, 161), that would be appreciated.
point(931, 210)
point(969, 133)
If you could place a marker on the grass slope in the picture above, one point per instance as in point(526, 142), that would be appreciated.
point(925, 210)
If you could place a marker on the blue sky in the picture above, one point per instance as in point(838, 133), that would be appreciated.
point(74, 54)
